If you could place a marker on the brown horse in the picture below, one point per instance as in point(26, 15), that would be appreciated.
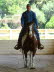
point(29, 43)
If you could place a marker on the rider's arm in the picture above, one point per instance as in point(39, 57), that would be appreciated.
point(22, 20)
point(35, 19)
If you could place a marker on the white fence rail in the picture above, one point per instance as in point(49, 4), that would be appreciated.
point(12, 34)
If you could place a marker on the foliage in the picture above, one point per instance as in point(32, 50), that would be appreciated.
point(12, 6)
point(4, 26)
point(40, 16)
point(48, 9)
point(44, 10)
point(12, 25)
point(50, 24)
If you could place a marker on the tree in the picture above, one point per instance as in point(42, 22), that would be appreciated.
point(48, 9)
point(50, 24)
point(12, 25)
point(12, 6)
point(4, 26)
point(43, 8)
point(40, 16)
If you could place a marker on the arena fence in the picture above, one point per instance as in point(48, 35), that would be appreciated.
point(12, 34)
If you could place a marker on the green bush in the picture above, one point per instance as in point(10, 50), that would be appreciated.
point(4, 26)
point(48, 9)
point(50, 24)
point(12, 25)
point(40, 16)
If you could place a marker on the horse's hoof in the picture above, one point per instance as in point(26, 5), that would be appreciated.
point(32, 68)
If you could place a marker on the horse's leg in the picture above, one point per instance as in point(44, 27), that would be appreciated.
point(31, 61)
point(25, 60)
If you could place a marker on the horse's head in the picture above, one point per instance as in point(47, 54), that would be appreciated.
point(29, 31)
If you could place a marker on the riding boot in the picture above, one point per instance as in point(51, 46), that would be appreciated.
point(18, 45)
point(40, 46)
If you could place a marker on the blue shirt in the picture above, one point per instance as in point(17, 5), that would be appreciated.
point(29, 16)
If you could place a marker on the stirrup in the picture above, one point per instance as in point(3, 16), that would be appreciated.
point(16, 47)
point(41, 47)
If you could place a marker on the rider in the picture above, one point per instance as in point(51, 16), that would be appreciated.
point(28, 16)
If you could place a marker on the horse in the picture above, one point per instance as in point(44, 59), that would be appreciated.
point(29, 44)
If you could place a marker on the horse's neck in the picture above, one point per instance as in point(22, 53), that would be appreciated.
point(31, 32)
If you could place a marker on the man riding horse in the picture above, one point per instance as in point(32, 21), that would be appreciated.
point(28, 17)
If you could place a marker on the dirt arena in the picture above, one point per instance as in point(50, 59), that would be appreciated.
point(15, 63)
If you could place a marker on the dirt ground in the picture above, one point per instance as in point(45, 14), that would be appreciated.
point(15, 63)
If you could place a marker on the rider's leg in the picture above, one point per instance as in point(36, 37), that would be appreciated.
point(22, 33)
point(38, 38)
